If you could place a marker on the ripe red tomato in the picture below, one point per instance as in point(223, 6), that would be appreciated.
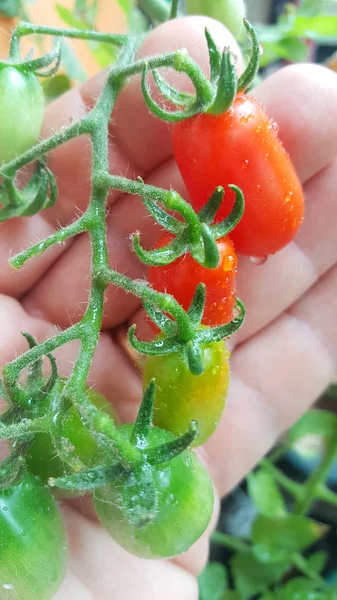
point(241, 147)
point(181, 277)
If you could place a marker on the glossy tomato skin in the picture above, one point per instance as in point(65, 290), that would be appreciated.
point(33, 546)
point(241, 147)
point(181, 278)
point(21, 112)
point(41, 458)
point(185, 505)
point(182, 397)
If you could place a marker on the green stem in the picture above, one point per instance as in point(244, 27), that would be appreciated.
point(174, 9)
point(157, 10)
point(295, 489)
point(25, 28)
point(230, 542)
point(41, 149)
point(324, 493)
point(25, 429)
point(312, 488)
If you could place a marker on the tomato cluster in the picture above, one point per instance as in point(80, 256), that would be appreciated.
point(149, 489)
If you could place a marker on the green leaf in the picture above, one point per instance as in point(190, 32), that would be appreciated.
point(265, 494)
point(253, 577)
point(277, 540)
point(301, 589)
point(104, 53)
point(212, 582)
point(231, 595)
point(291, 49)
point(56, 86)
point(320, 28)
point(317, 561)
point(320, 423)
point(126, 5)
point(10, 8)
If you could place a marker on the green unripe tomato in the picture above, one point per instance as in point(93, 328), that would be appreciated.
point(33, 545)
point(41, 458)
point(21, 112)
point(182, 397)
point(184, 509)
point(229, 12)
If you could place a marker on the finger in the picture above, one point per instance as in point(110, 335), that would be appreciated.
point(307, 127)
point(109, 576)
point(277, 375)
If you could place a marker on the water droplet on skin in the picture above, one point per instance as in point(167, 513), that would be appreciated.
point(258, 260)
point(288, 197)
point(275, 126)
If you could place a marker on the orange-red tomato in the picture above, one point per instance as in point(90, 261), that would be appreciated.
point(241, 147)
point(181, 277)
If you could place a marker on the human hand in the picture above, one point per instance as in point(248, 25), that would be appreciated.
point(283, 357)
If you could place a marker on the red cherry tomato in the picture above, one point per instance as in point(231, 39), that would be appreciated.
point(181, 277)
point(241, 147)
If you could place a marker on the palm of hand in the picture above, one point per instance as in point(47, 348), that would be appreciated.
point(283, 357)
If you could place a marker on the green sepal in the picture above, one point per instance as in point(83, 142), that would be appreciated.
point(211, 250)
point(159, 318)
point(227, 85)
point(35, 65)
point(214, 57)
point(169, 92)
point(40, 193)
point(34, 377)
point(166, 452)
point(194, 358)
point(164, 219)
point(165, 346)
point(227, 225)
point(208, 212)
point(47, 388)
point(216, 334)
point(196, 309)
point(161, 256)
point(144, 417)
point(13, 467)
point(252, 68)
point(90, 479)
point(161, 113)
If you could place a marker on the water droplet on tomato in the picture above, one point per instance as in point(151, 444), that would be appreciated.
point(228, 263)
point(288, 197)
point(258, 129)
point(258, 260)
point(246, 162)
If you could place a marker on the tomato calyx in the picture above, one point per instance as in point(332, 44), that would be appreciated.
point(44, 66)
point(40, 193)
point(172, 338)
point(137, 470)
point(196, 235)
point(218, 96)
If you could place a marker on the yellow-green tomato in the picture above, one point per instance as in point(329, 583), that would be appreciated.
point(229, 12)
point(184, 507)
point(21, 112)
point(33, 545)
point(182, 397)
point(42, 459)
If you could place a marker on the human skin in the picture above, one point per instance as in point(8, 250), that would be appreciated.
point(282, 358)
